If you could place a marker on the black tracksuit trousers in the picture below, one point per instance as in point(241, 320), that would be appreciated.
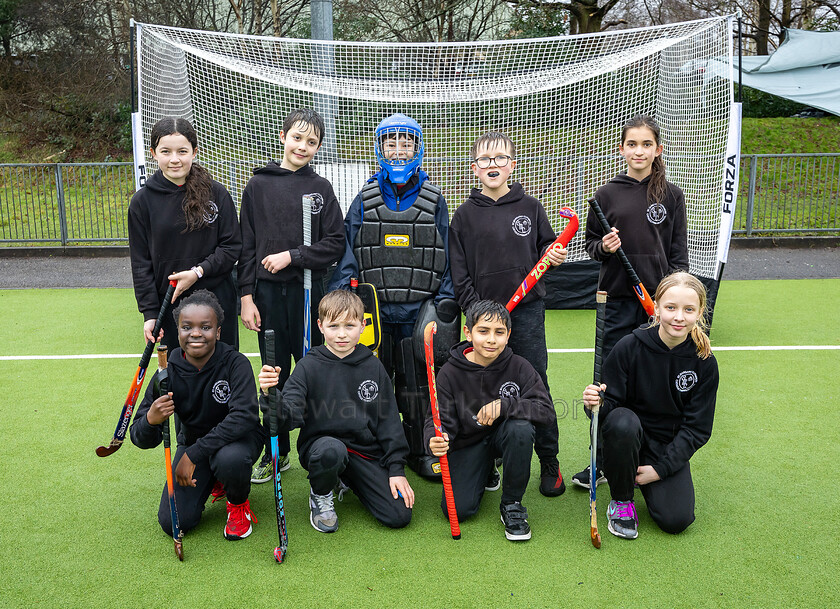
point(231, 465)
point(327, 459)
point(527, 339)
point(469, 467)
point(669, 501)
point(281, 309)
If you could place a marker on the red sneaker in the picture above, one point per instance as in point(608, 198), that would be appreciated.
point(239, 520)
point(218, 492)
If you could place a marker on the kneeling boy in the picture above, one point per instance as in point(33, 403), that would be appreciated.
point(350, 431)
point(489, 401)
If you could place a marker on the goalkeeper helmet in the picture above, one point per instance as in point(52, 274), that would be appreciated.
point(398, 143)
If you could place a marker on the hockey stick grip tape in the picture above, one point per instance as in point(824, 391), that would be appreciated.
point(270, 359)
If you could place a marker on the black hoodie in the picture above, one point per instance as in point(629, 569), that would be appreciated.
point(350, 399)
point(463, 387)
point(653, 236)
point(159, 246)
point(271, 218)
point(672, 391)
point(217, 405)
point(493, 245)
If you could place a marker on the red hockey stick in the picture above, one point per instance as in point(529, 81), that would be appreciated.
point(428, 332)
point(137, 383)
point(543, 265)
point(638, 287)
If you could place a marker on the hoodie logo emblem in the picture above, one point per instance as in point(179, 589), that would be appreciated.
point(509, 390)
point(316, 202)
point(521, 225)
point(368, 391)
point(686, 380)
point(656, 213)
point(221, 392)
point(212, 212)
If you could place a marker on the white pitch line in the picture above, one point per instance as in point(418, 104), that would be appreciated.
point(745, 348)
point(12, 358)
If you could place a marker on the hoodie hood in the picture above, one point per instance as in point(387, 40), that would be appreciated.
point(649, 336)
point(458, 358)
point(220, 356)
point(274, 168)
point(407, 193)
point(160, 184)
point(624, 179)
point(515, 195)
point(358, 356)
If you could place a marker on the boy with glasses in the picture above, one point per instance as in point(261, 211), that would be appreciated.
point(495, 237)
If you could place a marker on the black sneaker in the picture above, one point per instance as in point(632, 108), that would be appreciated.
point(582, 478)
point(494, 480)
point(551, 480)
point(515, 519)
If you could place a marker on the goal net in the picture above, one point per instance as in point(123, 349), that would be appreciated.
point(562, 100)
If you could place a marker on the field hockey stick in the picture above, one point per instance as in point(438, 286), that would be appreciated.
point(307, 276)
point(428, 332)
point(137, 383)
point(638, 287)
point(600, 308)
point(273, 405)
point(543, 265)
point(163, 386)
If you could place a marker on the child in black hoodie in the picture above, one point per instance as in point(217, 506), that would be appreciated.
point(273, 256)
point(495, 238)
point(660, 386)
point(490, 401)
point(350, 430)
point(182, 226)
point(651, 212)
point(212, 390)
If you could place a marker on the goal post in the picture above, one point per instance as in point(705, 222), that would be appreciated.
point(562, 100)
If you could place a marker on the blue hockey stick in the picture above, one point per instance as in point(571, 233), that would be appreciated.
point(273, 405)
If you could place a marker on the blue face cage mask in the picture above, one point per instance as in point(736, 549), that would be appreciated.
point(398, 144)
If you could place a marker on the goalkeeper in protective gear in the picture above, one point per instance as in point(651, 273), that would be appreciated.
point(396, 231)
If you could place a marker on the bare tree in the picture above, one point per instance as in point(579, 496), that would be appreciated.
point(586, 16)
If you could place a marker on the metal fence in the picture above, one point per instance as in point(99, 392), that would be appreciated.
point(788, 193)
point(87, 203)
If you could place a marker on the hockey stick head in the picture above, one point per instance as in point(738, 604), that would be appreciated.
point(104, 451)
point(279, 554)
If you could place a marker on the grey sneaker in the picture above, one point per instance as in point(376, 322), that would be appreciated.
point(622, 520)
point(341, 489)
point(322, 512)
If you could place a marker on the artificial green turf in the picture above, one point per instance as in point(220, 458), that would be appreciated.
point(80, 531)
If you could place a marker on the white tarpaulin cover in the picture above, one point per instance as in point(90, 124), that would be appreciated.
point(805, 68)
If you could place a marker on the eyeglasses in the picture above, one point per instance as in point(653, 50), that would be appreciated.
point(484, 161)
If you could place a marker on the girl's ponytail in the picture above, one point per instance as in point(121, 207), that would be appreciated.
point(198, 190)
point(657, 185)
point(701, 340)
